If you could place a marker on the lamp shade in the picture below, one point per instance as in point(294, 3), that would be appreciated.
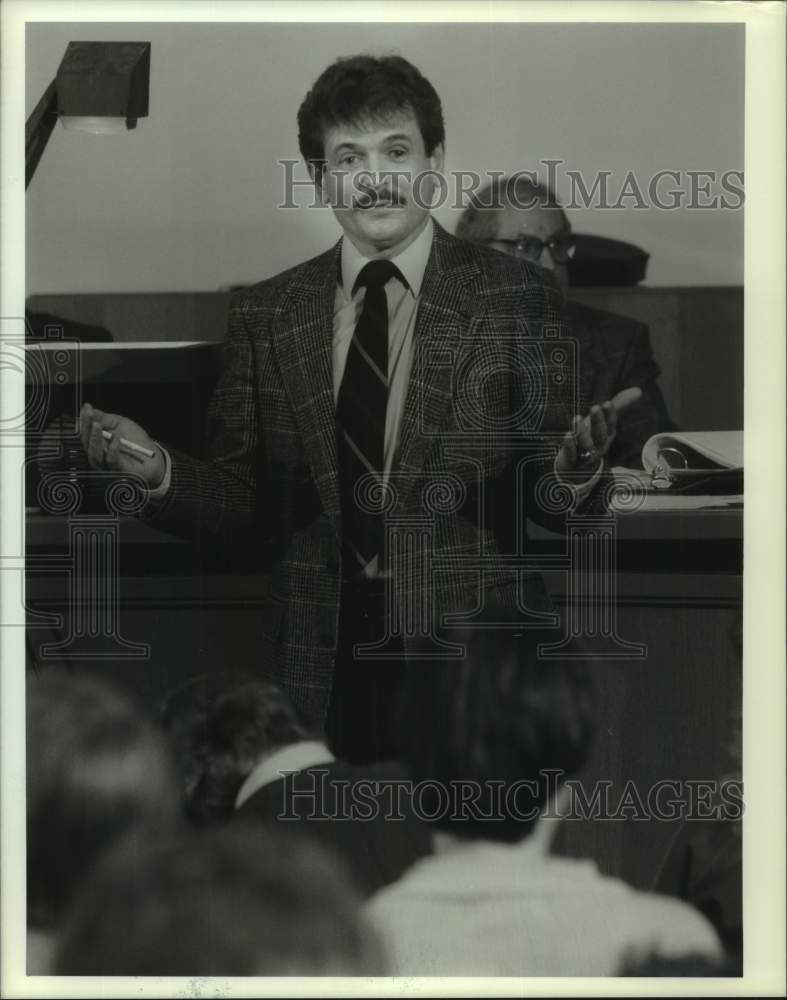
point(104, 80)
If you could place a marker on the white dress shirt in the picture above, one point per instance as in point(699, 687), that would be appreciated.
point(402, 298)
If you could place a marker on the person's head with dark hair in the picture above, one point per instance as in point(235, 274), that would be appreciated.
point(520, 216)
point(221, 727)
point(96, 767)
point(232, 902)
point(502, 716)
point(371, 132)
point(360, 90)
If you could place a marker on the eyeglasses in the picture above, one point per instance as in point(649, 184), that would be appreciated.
point(532, 248)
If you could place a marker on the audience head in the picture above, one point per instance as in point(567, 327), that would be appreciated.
point(96, 767)
point(522, 218)
point(240, 901)
point(481, 726)
point(371, 131)
point(221, 727)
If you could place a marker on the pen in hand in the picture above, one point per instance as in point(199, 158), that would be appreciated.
point(626, 397)
point(129, 447)
point(619, 402)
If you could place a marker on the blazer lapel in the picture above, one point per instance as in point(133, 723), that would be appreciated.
point(302, 339)
point(444, 313)
point(303, 336)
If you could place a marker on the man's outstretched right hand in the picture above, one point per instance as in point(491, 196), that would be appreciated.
point(109, 440)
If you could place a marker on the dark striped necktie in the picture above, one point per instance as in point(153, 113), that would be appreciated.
point(360, 421)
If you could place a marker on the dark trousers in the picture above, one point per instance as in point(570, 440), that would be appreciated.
point(362, 713)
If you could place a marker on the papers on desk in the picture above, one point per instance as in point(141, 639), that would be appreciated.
point(694, 470)
point(636, 493)
point(652, 502)
point(701, 463)
point(695, 449)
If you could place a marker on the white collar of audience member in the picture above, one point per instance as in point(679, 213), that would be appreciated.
point(411, 261)
point(295, 757)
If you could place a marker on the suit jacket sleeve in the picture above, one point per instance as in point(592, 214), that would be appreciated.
point(548, 498)
point(649, 414)
point(214, 500)
point(530, 489)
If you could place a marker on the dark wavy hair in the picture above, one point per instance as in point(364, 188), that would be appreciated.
point(503, 714)
point(220, 727)
point(364, 88)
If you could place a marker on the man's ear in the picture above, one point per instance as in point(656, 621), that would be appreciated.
point(317, 174)
point(437, 159)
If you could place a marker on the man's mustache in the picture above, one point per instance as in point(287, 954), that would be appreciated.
point(372, 199)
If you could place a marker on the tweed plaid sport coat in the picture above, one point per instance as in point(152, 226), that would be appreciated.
point(489, 395)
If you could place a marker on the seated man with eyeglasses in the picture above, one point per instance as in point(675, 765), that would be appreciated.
point(525, 220)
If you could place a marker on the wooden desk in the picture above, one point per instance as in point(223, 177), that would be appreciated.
point(667, 716)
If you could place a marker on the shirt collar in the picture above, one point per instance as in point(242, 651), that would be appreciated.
point(411, 261)
point(295, 757)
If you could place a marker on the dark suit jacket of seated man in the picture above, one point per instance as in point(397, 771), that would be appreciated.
point(243, 753)
point(615, 354)
point(363, 812)
point(473, 422)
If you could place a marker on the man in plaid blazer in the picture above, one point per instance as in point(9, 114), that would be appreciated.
point(478, 420)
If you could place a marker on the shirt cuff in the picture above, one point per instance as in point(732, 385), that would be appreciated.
point(163, 487)
point(583, 489)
